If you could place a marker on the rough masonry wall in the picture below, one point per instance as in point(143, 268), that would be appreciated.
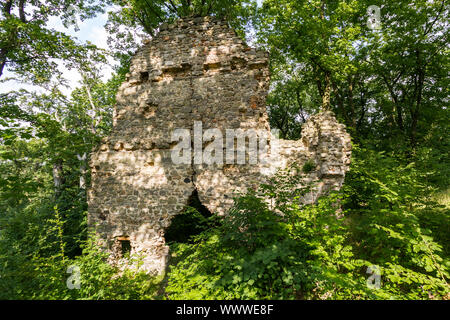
point(195, 70)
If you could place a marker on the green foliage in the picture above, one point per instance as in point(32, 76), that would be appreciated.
point(33, 264)
point(143, 17)
point(389, 82)
point(100, 280)
point(287, 250)
point(29, 49)
point(397, 226)
point(389, 86)
point(308, 166)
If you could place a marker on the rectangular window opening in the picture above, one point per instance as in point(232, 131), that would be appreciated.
point(144, 76)
point(125, 245)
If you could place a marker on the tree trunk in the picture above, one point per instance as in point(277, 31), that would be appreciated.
point(418, 97)
point(351, 104)
point(3, 53)
point(82, 159)
point(326, 93)
point(57, 176)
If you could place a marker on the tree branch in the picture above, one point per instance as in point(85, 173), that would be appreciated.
point(22, 11)
point(175, 9)
point(7, 7)
point(429, 27)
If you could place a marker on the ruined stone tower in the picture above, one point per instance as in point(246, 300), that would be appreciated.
point(195, 71)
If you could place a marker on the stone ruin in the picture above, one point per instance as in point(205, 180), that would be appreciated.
point(196, 70)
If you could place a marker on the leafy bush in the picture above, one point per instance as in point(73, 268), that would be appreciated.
point(33, 263)
point(396, 226)
point(285, 252)
point(271, 246)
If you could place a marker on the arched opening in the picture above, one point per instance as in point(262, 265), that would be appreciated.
point(192, 221)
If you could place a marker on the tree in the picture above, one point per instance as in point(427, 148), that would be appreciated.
point(291, 100)
point(321, 35)
point(410, 57)
point(30, 49)
point(394, 77)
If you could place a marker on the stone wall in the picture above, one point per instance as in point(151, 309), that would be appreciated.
point(194, 71)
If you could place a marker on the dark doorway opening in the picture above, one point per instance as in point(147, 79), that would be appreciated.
point(125, 245)
point(192, 221)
